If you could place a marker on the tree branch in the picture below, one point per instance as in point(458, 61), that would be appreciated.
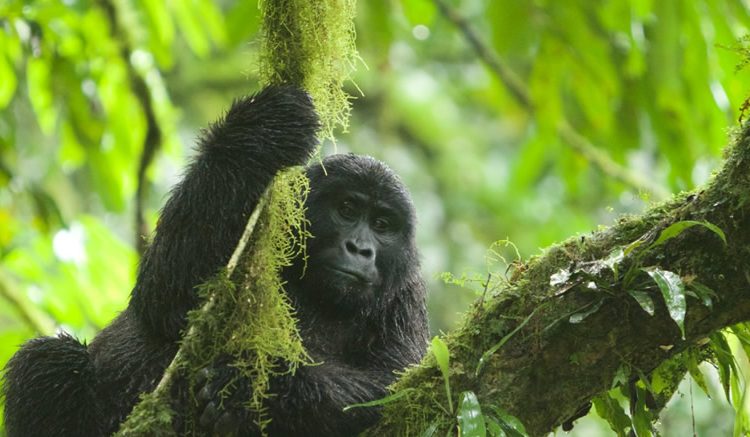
point(518, 90)
point(38, 322)
point(543, 373)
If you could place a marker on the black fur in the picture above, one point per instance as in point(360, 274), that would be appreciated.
point(57, 386)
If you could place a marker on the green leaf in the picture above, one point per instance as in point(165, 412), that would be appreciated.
point(419, 11)
point(39, 83)
point(633, 246)
point(381, 401)
point(580, 316)
point(610, 410)
point(510, 425)
point(673, 291)
point(242, 20)
point(470, 417)
point(191, 28)
point(676, 229)
point(642, 417)
point(692, 365)
point(7, 81)
point(614, 259)
point(724, 361)
point(493, 427)
point(742, 331)
point(442, 356)
point(704, 293)
point(644, 300)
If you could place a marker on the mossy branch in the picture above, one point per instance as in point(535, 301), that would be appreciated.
point(555, 363)
point(207, 307)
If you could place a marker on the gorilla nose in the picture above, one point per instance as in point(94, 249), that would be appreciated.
point(363, 250)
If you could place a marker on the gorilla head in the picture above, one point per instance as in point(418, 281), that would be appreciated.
point(362, 246)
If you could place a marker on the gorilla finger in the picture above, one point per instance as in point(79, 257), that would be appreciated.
point(209, 416)
point(227, 424)
point(204, 396)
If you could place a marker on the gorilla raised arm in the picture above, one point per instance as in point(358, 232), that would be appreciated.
point(359, 300)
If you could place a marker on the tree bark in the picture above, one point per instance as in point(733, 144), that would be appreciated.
point(550, 366)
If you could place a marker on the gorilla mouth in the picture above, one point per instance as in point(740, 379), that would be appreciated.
point(350, 274)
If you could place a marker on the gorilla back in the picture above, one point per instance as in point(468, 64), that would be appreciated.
point(360, 299)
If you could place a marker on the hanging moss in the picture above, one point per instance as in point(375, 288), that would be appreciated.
point(252, 320)
point(311, 43)
point(247, 315)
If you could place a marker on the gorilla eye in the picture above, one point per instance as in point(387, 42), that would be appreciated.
point(382, 224)
point(347, 210)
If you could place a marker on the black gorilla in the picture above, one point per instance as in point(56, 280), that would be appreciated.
point(360, 301)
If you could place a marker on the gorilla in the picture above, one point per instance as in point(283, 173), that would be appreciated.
point(360, 300)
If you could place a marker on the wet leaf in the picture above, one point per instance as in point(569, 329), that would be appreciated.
point(470, 417)
point(673, 291)
point(644, 300)
point(580, 316)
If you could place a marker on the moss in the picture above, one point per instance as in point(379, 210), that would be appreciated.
point(311, 43)
point(152, 416)
point(252, 320)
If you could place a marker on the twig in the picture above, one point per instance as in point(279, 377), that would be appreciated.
point(153, 138)
point(39, 324)
point(519, 91)
point(169, 372)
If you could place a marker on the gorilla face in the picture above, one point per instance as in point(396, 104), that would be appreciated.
point(362, 223)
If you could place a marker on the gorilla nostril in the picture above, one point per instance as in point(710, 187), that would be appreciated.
point(351, 247)
point(354, 249)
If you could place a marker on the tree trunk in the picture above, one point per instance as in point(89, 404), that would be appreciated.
point(554, 364)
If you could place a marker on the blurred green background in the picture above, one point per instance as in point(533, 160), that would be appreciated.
point(631, 100)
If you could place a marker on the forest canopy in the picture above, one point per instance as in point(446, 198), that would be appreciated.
point(515, 125)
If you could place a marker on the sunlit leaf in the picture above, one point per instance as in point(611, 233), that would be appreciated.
point(7, 81)
point(419, 11)
point(381, 401)
point(38, 76)
point(242, 21)
point(190, 27)
point(673, 291)
point(442, 356)
point(678, 228)
point(695, 372)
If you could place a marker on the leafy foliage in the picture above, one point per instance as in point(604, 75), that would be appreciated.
point(653, 85)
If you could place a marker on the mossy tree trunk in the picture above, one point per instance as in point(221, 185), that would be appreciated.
point(550, 367)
